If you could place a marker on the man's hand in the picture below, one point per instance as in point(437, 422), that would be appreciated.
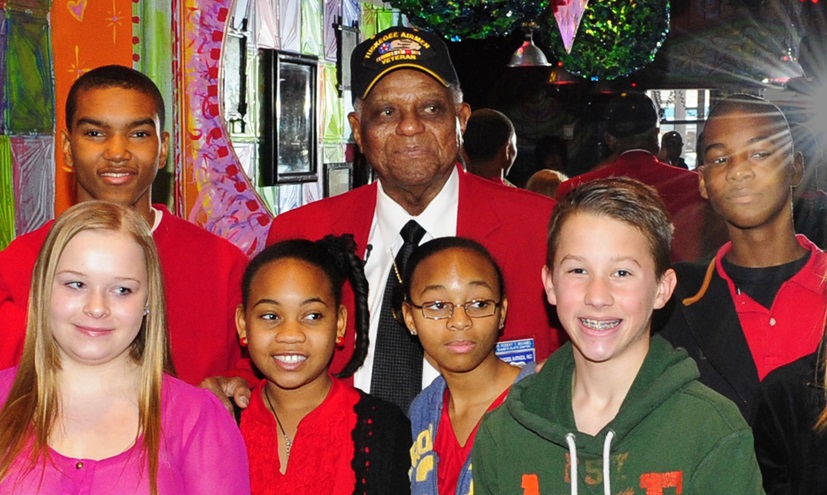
point(224, 387)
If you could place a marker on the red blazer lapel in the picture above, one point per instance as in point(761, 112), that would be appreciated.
point(477, 217)
point(356, 216)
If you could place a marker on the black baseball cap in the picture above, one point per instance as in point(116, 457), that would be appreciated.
point(672, 137)
point(630, 113)
point(399, 48)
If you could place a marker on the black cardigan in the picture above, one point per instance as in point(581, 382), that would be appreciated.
point(792, 455)
point(711, 333)
point(382, 444)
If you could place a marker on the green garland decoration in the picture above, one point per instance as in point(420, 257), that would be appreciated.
point(615, 39)
point(474, 19)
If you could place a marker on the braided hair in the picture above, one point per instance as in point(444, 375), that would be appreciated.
point(336, 257)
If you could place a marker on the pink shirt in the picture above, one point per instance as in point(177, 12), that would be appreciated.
point(202, 452)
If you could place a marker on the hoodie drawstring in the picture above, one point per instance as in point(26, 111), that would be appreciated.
point(607, 462)
point(710, 270)
point(572, 462)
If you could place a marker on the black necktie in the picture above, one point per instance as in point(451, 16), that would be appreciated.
point(397, 355)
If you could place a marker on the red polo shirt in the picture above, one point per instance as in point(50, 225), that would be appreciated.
point(793, 326)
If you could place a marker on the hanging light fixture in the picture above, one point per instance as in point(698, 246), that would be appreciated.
point(560, 76)
point(785, 68)
point(529, 54)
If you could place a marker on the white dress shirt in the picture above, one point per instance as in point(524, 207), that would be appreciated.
point(439, 220)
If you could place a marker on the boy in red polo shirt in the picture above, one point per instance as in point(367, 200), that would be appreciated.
point(114, 143)
point(760, 302)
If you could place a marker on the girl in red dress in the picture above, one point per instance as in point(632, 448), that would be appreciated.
point(307, 431)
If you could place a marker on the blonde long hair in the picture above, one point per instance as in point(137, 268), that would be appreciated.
point(30, 411)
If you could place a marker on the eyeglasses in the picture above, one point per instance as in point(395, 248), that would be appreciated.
point(441, 310)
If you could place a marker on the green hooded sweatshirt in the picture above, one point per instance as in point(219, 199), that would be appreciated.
point(672, 435)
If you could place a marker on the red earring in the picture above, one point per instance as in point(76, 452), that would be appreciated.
point(339, 340)
point(243, 341)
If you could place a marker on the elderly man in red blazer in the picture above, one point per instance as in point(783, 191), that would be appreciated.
point(408, 120)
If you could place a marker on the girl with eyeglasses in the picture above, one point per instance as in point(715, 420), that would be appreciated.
point(455, 302)
point(308, 431)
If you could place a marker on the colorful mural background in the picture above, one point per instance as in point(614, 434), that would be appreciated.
point(211, 187)
point(26, 166)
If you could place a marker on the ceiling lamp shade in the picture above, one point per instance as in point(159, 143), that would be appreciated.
point(560, 76)
point(785, 68)
point(529, 54)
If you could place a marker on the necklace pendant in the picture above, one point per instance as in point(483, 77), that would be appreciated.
point(287, 442)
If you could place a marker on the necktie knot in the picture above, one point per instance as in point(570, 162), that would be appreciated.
point(412, 233)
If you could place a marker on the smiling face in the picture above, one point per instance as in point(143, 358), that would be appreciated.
point(603, 283)
point(409, 129)
point(115, 146)
point(98, 297)
point(456, 275)
point(749, 169)
point(291, 322)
